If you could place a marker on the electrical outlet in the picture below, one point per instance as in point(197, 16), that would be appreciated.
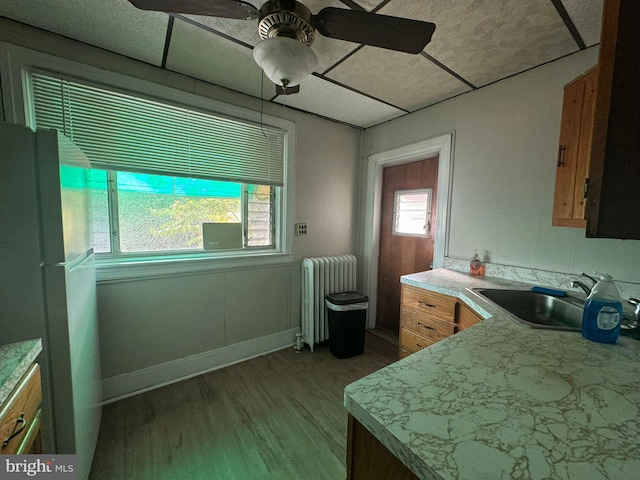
point(301, 229)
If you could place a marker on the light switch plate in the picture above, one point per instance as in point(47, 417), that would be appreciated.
point(301, 229)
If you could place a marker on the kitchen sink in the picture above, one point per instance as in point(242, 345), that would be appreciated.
point(535, 309)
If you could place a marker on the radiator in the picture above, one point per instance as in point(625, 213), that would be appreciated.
point(320, 277)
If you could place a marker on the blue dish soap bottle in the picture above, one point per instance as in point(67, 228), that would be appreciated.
point(602, 312)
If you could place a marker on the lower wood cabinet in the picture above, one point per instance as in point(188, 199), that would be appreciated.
point(368, 459)
point(467, 317)
point(20, 416)
point(427, 317)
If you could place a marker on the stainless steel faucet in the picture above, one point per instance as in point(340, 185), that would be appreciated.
point(635, 320)
point(583, 286)
point(632, 324)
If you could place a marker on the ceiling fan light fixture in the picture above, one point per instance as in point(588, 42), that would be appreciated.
point(285, 61)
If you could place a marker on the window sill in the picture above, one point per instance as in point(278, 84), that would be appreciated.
point(115, 270)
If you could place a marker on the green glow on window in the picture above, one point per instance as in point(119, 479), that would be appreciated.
point(179, 186)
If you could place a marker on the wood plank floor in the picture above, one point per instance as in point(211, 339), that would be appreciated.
point(276, 417)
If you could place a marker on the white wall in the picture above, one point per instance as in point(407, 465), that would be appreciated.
point(506, 141)
point(147, 324)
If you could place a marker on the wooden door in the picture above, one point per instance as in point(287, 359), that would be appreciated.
point(400, 254)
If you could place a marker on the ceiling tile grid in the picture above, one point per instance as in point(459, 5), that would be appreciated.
point(476, 42)
point(114, 25)
point(407, 81)
point(587, 17)
point(206, 56)
point(485, 40)
point(332, 101)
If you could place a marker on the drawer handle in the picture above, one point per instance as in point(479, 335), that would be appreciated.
point(420, 324)
point(17, 430)
point(561, 150)
point(425, 304)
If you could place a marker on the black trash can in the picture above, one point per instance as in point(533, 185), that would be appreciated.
point(347, 323)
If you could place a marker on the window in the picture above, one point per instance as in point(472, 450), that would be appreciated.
point(161, 171)
point(156, 213)
point(412, 212)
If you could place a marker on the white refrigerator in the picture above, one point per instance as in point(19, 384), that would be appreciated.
point(47, 281)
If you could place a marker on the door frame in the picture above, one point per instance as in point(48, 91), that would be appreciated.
point(441, 146)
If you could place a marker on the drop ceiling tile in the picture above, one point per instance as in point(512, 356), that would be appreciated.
point(330, 51)
point(209, 57)
point(368, 4)
point(407, 81)
point(486, 40)
point(329, 100)
point(244, 30)
point(587, 17)
point(114, 25)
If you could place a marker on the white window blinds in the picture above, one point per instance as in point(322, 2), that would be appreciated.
point(123, 132)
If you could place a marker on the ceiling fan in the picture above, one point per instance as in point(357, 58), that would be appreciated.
point(288, 28)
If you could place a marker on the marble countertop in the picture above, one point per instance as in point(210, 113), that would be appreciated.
point(15, 359)
point(501, 400)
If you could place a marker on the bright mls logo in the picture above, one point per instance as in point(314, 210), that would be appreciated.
point(49, 467)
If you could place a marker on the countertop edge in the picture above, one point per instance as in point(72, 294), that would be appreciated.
point(15, 360)
point(447, 287)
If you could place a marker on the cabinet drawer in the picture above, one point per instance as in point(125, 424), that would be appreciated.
point(430, 303)
point(19, 411)
point(426, 326)
point(412, 342)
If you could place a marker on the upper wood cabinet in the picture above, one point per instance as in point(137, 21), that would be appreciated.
point(574, 151)
point(613, 200)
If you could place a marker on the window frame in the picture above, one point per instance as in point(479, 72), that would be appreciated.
point(16, 63)
point(115, 227)
point(412, 191)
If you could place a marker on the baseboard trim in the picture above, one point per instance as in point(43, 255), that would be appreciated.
point(133, 383)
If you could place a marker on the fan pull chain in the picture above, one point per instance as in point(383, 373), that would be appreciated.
point(262, 102)
point(284, 108)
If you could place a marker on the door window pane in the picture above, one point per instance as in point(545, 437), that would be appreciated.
point(412, 212)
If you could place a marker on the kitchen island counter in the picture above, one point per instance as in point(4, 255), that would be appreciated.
point(503, 400)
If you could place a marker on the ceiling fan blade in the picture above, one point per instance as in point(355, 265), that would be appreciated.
point(212, 8)
point(393, 33)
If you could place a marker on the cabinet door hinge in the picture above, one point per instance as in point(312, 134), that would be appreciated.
point(585, 188)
